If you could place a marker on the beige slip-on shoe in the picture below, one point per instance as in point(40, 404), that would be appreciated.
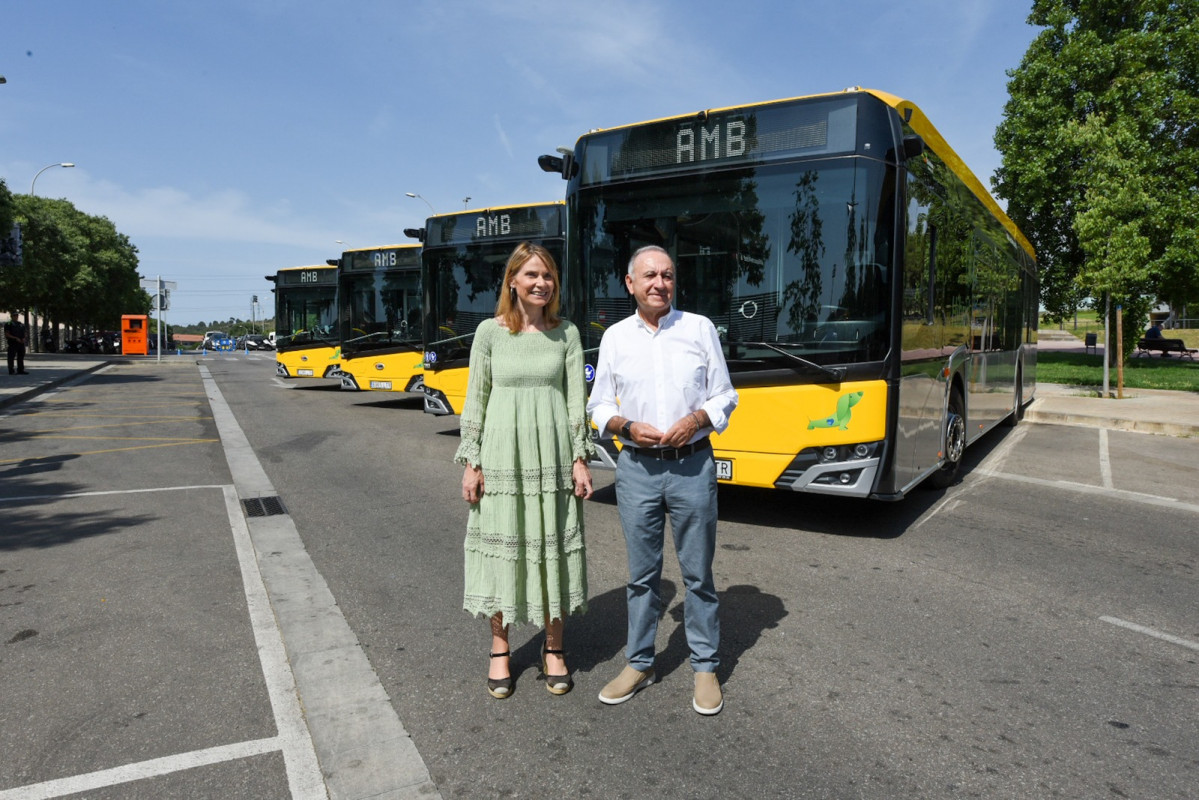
point(708, 697)
point(625, 685)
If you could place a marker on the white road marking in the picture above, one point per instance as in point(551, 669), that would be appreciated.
point(328, 665)
point(299, 756)
point(141, 771)
point(1105, 461)
point(44, 497)
point(989, 467)
point(1165, 637)
point(1086, 488)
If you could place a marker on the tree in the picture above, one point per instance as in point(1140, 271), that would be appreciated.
point(78, 269)
point(6, 209)
point(1100, 147)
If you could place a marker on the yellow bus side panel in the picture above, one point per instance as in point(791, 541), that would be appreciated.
point(396, 369)
point(772, 424)
point(451, 383)
point(309, 362)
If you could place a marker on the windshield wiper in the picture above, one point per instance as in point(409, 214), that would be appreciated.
point(834, 374)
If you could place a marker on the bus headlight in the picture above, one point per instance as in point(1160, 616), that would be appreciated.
point(828, 454)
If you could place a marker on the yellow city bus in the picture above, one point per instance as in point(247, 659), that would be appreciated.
point(306, 344)
point(876, 307)
point(379, 298)
point(463, 264)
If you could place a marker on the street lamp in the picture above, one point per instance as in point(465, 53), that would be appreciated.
point(426, 202)
point(43, 169)
point(465, 201)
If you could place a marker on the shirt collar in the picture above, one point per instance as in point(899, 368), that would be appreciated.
point(669, 318)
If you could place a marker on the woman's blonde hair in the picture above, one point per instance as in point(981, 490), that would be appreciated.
point(507, 308)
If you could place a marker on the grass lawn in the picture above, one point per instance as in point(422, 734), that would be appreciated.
point(1152, 372)
point(1090, 324)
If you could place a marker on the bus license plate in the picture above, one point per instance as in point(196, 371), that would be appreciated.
point(304, 373)
point(724, 469)
point(380, 384)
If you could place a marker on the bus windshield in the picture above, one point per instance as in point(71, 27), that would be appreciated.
point(788, 260)
point(305, 317)
point(381, 309)
point(463, 284)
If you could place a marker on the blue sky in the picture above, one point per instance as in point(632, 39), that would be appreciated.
point(231, 138)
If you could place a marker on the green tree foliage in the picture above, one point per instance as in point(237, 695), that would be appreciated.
point(6, 209)
point(1100, 146)
point(78, 269)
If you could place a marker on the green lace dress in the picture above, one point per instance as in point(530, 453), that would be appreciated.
point(525, 423)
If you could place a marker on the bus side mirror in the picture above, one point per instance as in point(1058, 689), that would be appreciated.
point(564, 165)
point(913, 146)
point(415, 233)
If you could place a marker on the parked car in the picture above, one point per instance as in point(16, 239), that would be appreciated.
point(252, 341)
point(216, 340)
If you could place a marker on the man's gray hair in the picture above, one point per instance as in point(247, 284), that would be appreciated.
point(649, 248)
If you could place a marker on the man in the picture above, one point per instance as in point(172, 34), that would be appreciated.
point(1155, 331)
point(661, 384)
point(14, 334)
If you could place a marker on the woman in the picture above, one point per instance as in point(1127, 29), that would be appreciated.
point(525, 446)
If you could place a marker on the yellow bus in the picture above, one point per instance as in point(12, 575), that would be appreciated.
point(463, 265)
point(306, 343)
point(379, 298)
point(876, 307)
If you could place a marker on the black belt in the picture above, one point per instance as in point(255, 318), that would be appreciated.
point(671, 453)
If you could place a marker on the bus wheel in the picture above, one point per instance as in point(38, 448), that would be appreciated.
point(955, 442)
point(1018, 412)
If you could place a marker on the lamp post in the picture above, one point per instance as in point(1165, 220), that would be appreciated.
point(465, 202)
point(33, 183)
point(423, 200)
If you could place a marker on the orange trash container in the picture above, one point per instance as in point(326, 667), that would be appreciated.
point(134, 339)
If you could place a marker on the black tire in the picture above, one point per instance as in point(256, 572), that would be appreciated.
point(1013, 419)
point(955, 442)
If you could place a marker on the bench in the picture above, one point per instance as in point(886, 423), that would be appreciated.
point(1147, 347)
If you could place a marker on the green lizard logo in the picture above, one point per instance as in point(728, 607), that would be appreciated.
point(841, 418)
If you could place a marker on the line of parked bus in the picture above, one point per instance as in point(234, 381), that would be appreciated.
point(876, 307)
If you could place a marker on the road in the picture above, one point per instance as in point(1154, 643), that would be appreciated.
point(976, 642)
point(1031, 632)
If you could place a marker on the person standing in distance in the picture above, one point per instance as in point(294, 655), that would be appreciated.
point(14, 334)
point(662, 385)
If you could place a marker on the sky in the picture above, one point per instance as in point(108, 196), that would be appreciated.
point(232, 138)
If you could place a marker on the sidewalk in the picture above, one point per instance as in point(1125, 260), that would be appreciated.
point(46, 371)
point(1143, 410)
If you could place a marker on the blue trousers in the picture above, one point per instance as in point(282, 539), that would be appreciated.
point(647, 490)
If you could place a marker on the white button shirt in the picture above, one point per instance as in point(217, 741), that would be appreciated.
point(661, 376)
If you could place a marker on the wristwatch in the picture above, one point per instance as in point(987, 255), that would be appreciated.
point(626, 430)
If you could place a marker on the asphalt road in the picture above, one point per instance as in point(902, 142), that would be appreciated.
point(967, 643)
point(1031, 632)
